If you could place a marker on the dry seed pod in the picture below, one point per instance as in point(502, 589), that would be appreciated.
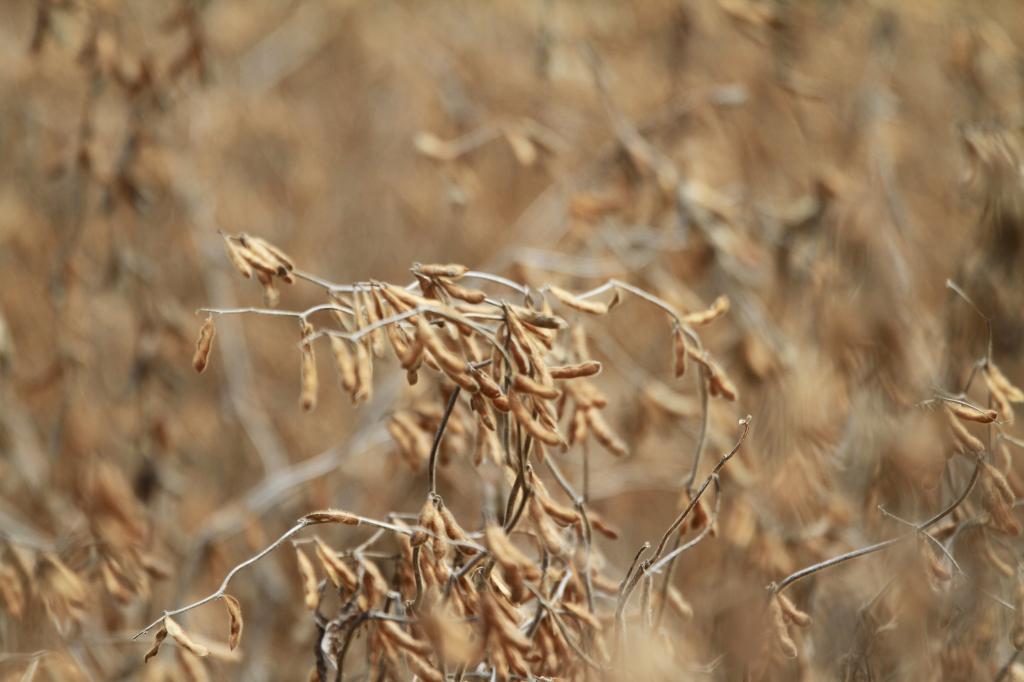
point(782, 636)
point(718, 308)
point(235, 614)
point(413, 356)
point(271, 296)
point(181, 637)
point(449, 270)
point(507, 554)
point(337, 571)
point(259, 259)
point(403, 299)
point(1001, 391)
point(502, 617)
point(604, 434)
point(203, 345)
point(524, 339)
point(465, 381)
point(532, 426)
point(719, 383)
point(545, 529)
point(965, 440)
point(1000, 483)
point(1000, 513)
point(971, 413)
point(403, 639)
point(527, 384)
point(450, 362)
point(423, 668)
point(331, 516)
point(269, 252)
point(373, 580)
point(577, 303)
point(345, 363)
point(428, 518)
point(563, 516)
point(581, 612)
point(601, 526)
point(482, 410)
point(542, 324)
point(791, 612)
point(462, 293)
point(402, 348)
point(236, 257)
point(998, 379)
point(578, 426)
point(310, 590)
point(161, 635)
point(359, 314)
point(369, 304)
point(364, 375)
point(520, 358)
point(453, 530)
point(488, 386)
point(307, 372)
point(582, 369)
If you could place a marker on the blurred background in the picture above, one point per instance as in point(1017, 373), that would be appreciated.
point(826, 165)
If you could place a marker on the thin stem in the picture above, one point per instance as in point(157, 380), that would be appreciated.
point(674, 554)
point(432, 470)
point(564, 630)
point(301, 524)
point(929, 536)
point(227, 579)
point(702, 388)
point(745, 423)
point(885, 544)
point(497, 279)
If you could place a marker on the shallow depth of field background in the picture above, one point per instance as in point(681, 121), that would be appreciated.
point(848, 157)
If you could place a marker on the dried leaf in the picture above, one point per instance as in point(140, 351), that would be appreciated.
point(235, 614)
point(161, 635)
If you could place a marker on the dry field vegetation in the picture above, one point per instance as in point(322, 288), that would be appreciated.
point(576, 340)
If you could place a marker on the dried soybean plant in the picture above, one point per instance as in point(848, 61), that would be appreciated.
point(989, 519)
point(527, 594)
